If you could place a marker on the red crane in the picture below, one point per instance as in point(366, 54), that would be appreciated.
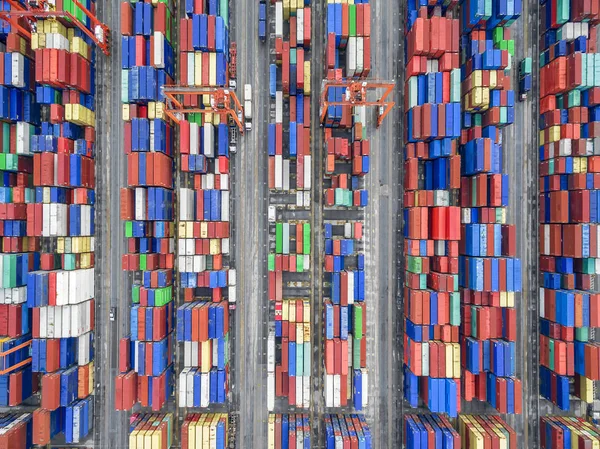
point(222, 101)
point(40, 9)
point(356, 95)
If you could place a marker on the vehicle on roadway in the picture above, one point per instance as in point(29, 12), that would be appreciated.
point(233, 137)
point(248, 106)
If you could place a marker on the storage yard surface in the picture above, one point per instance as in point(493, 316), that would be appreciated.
point(327, 283)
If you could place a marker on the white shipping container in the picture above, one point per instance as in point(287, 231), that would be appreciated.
point(183, 387)
point(305, 392)
point(466, 215)
point(209, 134)
point(204, 389)
point(270, 391)
point(306, 262)
point(194, 138)
point(80, 320)
point(299, 391)
point(278, 19)
point(271, 352)
point(24, 133)
point(360, 55)
point(84, 355)
point(307, 173)
point(232, 276)
point(232, 293)
point(425, 358)
point(278, 172)
point(279, 107)
point(225, 205)
point(286, 175)
point(337, 390)
point(225, 246)
point(15, 295)
point(351, 57)
point(159, 50)
point(307, 198)
point(140, 203)
point(18, 70)
point(76, 286)
point(300, 26)
point(329, 390)
point(365, 387)
point(299, 198)
point(351, 287)
point(191, 69)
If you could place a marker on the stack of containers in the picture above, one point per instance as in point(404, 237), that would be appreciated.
point(490, 275)
point(147, 203)
point(61, 216)
point(203, 327)
point(434, 430)
point(568, 246)
point(289, 431)
point(431, 209)
point(346, 164)
point(19, 115)
point(290, 173)
point(475, 430)
point(151, 430)
point(289, 351)
point(289, 141)
point(16, 430)
point(346, 431)
point(206, 282)
point(558, 432)
point(292, 254)
point(205, 431)
point(345, 316)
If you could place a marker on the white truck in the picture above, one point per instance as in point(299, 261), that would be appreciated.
point(248, 106)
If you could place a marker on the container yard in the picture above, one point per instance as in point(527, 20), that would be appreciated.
point(299, 224)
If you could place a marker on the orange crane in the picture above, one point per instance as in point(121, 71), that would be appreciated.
point(40, 9)
point(356, 95)
point(222, 101)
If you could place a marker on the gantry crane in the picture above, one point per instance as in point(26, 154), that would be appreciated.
point(222, 101)
point(356, 95)
point(41, 9)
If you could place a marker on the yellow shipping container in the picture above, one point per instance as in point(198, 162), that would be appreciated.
point(587, 389)
point(449, 357)
point(306, 77)
point(306, 312)
point(456, 360)
point(206, 432)
point(213, 69)
point(306, 336)
point(286, 9)
point(215, 247)
point(284, 311)
point(271, 434)
point(197, 69)
point(206, 362)
point(203, 230)
point(181, 230)
point(125, 113)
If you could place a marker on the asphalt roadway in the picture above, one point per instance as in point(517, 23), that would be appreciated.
point(251, 235)
point(112, 284)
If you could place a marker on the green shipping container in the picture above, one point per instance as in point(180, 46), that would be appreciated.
point(351, 20)
point(307, 353)
point(300, 263)
point(455, 308)
point(271, 262)
point(357, 325)
point(299, 360)
point(279, 238)
point(224, 11)
point(306, 238)
point(356, 354)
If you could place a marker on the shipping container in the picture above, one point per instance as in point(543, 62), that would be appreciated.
point(347, 431)
point(289, 430)
point(205, 431)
